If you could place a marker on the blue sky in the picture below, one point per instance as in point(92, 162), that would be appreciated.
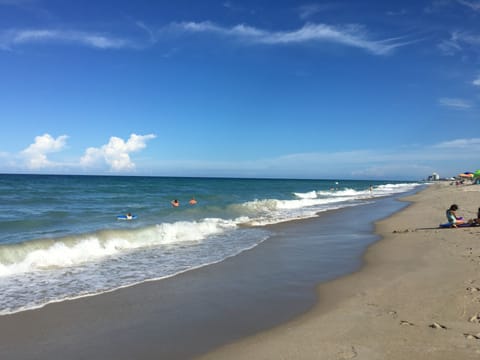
point(296, 89)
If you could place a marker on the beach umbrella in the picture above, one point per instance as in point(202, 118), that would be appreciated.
point(466, 175)
point(476, 173)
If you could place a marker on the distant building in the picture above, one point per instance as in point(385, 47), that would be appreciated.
point(434, 177)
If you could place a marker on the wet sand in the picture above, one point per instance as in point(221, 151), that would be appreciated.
point(193, 313)
point(416, 297)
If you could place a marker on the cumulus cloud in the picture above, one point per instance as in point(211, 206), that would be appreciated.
point(35, 155)
point(350, 35)
point(116, 154)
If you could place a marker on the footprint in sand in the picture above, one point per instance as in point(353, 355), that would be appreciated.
point(473, 289)
point(393, 314)
point(407, 323)
point(475, 319)
point(472, 336)
point(348, 354)
point(436, 325)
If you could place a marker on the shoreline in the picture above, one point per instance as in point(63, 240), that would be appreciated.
point(249, 293)
point(416, 296)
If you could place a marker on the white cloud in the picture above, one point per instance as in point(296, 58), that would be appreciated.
point(459, 104)
point(467, 38)
point(309, 10)
point(436, 6)
point(392, 171)
point(116, 154)
point(236, 6)
point(17, 2)
point(101, 41)
point(449, 157)
point(413, 161)
point(36, 154)
point(474, 5)
point(350, 35)
point(476, 82)
point(400, 12)
point(449, 47)
point(409, 162)
point(461, 144)
point(460, 42)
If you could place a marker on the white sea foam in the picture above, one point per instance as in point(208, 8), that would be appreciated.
point(309, 195)
point(72, 251)
point(309, 204)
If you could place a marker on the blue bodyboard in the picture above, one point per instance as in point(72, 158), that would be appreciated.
point(125, 217)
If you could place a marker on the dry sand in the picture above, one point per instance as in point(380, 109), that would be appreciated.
point(417, 296)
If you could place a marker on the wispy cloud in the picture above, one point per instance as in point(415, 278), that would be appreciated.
point(449, 47)
point(474, 5)
point(437, 6)
point(148, 30)
point(309, 10)
point(415, 161)
point(467, 38)
point(350, 35)
point(471, 144)
point(353, 35)
point(476, 82)
point(17, 2)
point(11, 38)
point(401, 12)
point(459, 104)
point(460, 41)
point(234, 6)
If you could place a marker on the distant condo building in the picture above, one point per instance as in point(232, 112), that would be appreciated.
point(434, 177)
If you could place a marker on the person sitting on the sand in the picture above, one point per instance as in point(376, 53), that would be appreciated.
point(452, 217)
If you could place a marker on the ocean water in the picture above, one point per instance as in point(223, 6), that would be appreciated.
point(60, 237)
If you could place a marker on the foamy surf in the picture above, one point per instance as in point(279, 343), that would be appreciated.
point(72, 251)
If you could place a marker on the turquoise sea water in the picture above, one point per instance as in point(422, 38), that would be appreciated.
point(60, 237)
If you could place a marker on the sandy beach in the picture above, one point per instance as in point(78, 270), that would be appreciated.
point(416, 297)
